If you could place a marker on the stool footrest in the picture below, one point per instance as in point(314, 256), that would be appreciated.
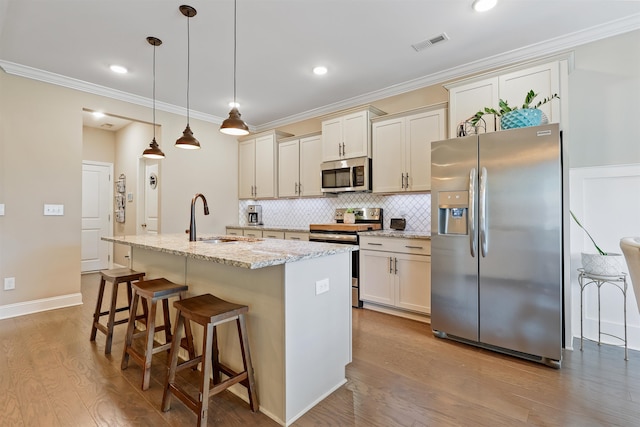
point(217, 388)
point(189, 363)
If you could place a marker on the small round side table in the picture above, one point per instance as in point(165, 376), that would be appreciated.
point(620, 282)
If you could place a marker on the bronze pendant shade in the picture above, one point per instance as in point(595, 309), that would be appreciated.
point(187, 140)
point(154, 151)
point(234, 125)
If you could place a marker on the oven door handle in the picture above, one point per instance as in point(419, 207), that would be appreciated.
point(322, 237)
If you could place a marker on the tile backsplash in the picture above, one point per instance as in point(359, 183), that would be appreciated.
point(415, 208)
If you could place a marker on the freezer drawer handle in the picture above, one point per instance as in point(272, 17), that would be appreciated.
point(413, 247)
point(471, 220)
point(484, 237)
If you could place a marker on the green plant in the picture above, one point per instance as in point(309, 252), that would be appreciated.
point(600, 251)
point(506, 108)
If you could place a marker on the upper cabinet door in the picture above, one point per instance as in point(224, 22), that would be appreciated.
point(543, 80)
point(266, 166)
point(468, 99)
point(246, 168)
point(332, 139)
point(288, 170)
point(355, 134)
point(388, 163)
point(310, 174)
point(421, 130)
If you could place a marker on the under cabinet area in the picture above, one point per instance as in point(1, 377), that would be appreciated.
point(396, 272)
point(258, 165)
point(348, 135)
point(299, 166)
point(402, 149)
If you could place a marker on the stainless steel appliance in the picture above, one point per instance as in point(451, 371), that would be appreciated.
point(254, 215)
point(346, 175)
point(367, 219)
point(496, 241)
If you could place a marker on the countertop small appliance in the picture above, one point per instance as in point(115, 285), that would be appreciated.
point(254, 215)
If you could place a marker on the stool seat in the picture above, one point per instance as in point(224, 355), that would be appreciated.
point(152, 291)
point(209, 311)
point(115, 277)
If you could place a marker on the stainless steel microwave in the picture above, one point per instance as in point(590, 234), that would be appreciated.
point(346, 175)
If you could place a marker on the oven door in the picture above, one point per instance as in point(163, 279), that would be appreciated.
point(344, 239)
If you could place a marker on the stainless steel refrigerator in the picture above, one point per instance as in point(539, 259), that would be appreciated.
point(496, 241)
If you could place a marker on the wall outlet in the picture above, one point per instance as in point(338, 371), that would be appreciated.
point(9, 283)
point(322, 286)
point(55, 210)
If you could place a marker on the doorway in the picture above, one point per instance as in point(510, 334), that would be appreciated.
point(148, 220)
point(97, 205)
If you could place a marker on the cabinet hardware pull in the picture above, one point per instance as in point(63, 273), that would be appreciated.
point(294, 238)
point(414, 247)
point(407, 176)
point(402, 186)
point(375, 244)
point(390, 265)
point(395, 264)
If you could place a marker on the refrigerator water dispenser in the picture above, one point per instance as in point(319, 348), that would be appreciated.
point(453, 208)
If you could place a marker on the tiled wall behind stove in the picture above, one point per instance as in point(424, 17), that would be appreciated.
point(415, 208)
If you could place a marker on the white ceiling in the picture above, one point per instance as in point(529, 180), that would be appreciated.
point(366, 45)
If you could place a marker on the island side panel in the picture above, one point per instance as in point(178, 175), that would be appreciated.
point(262, 291)
point(318, 330)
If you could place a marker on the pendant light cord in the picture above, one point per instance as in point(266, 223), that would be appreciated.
point(235, 49)
point(154, 91)
point(188, 64)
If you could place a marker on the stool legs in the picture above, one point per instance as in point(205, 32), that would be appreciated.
point(96, 313)
point(246, 358)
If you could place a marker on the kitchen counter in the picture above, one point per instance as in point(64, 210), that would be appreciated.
point(271, 228)
point(243, 252)
point(398, 233)
point(299, 299)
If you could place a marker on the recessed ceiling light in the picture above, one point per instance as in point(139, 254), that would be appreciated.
point(320, 70)
point(484, 5)
point(98, 114)
point(118, 69)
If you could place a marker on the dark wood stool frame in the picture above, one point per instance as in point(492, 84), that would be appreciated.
point(114, 276)
point(152, 291)
point(209, 312)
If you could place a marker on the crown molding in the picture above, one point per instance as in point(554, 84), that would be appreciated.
point(528, 53)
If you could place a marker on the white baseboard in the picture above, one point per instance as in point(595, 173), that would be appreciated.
point(35, 306)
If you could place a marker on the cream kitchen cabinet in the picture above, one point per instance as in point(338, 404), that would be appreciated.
point(469, 96)
point(396, 272)
point(272, 234)
point(234, 231)
point(349, 134)
point(257, 165)
point(299, 166)
point(252, 233)
point(402, 149)
point(296, 235)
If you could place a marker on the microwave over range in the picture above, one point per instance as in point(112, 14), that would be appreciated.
point(346, 175)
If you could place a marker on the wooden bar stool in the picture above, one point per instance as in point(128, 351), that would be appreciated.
point(152, 291)
point(209, 312)
point(114, 276)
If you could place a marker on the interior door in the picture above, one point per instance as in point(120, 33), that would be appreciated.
point(97, 205)
point(150, 225)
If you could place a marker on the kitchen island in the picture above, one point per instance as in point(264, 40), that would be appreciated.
point(299, 318)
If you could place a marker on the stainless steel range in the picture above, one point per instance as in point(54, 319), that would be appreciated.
point(366, 219)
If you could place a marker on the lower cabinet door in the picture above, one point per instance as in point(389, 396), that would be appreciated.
point(376, 277)
point(413, 275)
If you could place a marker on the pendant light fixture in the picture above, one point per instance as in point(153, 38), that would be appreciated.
point(234, 125)
point(154, 152)
point(187, 140)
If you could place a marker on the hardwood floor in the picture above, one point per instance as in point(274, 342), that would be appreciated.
point(401, 375)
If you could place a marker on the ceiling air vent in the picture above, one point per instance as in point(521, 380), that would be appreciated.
point(430, 42)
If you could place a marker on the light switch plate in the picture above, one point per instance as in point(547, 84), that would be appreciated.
point(1, 209)
point(322, 286)
point(55, 210)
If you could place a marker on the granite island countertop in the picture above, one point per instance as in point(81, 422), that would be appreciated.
point(242, 252)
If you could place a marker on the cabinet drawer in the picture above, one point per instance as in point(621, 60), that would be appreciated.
point(234, 231)
point(395, 244)
point(292, 235)
point(273, 234)
point(253, 233)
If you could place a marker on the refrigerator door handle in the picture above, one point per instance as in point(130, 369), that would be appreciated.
point(483, 213)
point(471, 220)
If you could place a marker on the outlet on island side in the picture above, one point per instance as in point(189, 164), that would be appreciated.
point(9, 283)
point(322, 286)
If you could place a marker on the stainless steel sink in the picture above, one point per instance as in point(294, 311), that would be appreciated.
point(226, 239)
point(218, 240)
